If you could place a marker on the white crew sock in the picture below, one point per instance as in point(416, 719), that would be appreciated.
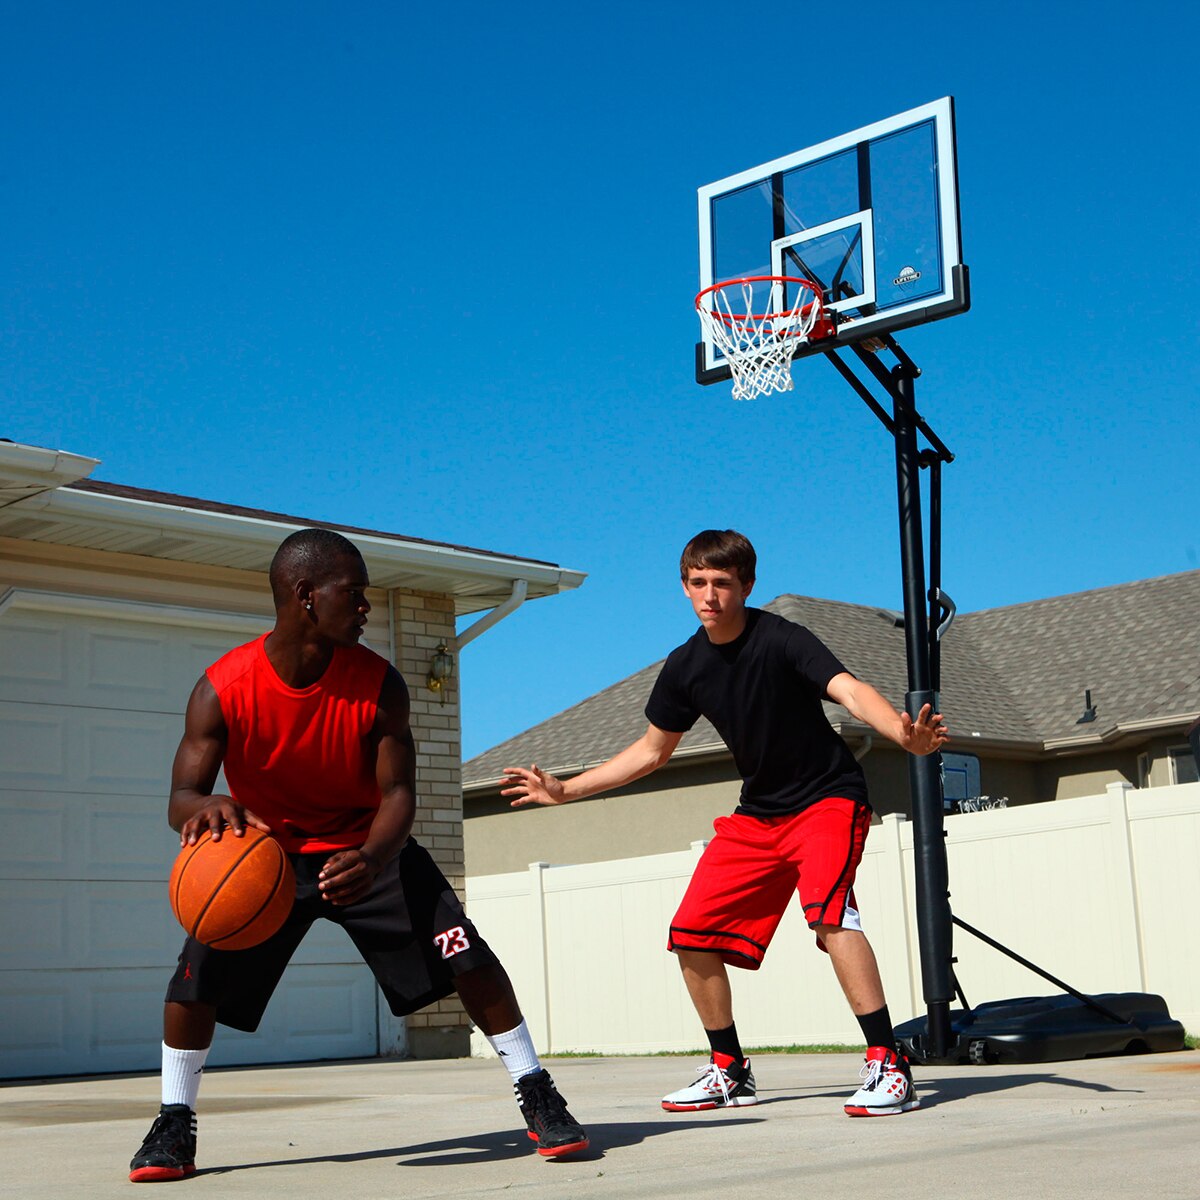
point(181, 1075)
point(516, 1051)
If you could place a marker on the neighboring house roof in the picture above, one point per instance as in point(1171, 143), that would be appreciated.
point(1136, 646)
point(1013, 678)
point(46, 497)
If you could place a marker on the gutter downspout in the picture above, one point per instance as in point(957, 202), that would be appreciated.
point(520, 589)
point(392, 628)
point(864, 748)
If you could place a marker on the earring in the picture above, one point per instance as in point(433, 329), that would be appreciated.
point(308, 605)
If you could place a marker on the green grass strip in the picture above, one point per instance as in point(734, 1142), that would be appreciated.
point(1191, 1041)
point(822, 1048)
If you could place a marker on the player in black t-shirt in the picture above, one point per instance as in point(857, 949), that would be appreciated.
point(800, 824)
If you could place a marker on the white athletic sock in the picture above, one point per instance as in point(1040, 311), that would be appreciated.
point(181, 1074)
point(516, 1051)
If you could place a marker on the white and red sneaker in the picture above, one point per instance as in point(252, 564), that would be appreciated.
point(887, 1086)
point(729, 1086)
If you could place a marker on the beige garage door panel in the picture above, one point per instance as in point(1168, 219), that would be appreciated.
point(104, 663)
point(52, 747)
point(84, 1022)
point(91, 925)
point(86, 835)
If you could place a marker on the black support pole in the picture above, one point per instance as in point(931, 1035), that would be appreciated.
point(936, 612)
point(1021, 1030)
point(934, 928)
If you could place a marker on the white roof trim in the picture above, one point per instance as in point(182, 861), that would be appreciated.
point(27, 471)
point(233, 528)
point(36, 507)
point(1107, 735)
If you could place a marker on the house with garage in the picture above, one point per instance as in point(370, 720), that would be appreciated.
point(113, 600)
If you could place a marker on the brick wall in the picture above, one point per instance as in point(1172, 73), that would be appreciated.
point(422, 621)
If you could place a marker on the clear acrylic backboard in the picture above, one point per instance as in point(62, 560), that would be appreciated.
point(870, 217)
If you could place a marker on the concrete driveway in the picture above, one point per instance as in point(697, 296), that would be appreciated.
point(1096, 1129)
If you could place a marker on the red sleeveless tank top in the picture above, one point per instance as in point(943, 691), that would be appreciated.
point(299, 757)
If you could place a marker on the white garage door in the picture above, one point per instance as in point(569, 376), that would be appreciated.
point(92, 694)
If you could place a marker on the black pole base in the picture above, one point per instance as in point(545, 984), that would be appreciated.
point(1038, 1029)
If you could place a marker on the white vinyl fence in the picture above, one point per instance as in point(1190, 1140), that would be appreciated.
point(1101, 891)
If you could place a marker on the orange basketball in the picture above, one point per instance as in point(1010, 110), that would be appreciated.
point(234, 893)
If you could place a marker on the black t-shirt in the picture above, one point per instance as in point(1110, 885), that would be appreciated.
point(763, 693)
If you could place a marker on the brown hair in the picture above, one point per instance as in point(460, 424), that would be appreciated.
point(721, 550)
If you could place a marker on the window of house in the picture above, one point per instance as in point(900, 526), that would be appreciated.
point(960, 779)
point(1183, 765)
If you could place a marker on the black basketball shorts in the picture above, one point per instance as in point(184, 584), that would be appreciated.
point(410, 929)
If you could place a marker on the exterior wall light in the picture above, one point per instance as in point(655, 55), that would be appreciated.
point(440, 671)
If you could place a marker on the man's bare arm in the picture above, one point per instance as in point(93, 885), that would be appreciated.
point(532, 785)
point(192, 807)
point(922, 736)
point(347, 875)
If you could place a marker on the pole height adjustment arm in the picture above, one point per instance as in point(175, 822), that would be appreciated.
point(948, 610)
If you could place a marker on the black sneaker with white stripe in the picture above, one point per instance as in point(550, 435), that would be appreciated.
point(545, 1111)
point(169, 1149)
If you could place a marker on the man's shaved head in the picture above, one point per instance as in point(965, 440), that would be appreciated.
point(312, 554)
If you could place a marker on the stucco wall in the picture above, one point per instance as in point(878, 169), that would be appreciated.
point(1066, 778)
point(652, 816)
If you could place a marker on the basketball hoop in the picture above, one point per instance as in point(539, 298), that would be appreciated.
point(759, 347)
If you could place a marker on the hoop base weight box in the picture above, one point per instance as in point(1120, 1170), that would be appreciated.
point(1039, 1029)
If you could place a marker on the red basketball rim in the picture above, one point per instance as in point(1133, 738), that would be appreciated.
point(726, 318)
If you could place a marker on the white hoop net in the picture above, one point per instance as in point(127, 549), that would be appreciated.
point(759, 347)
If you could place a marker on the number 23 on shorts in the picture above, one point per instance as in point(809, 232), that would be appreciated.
point(453, 941)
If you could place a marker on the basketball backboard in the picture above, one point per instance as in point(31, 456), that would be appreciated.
point(871, 217)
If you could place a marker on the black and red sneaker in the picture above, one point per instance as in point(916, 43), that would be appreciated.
point(545, 1111)
point(169, 1149)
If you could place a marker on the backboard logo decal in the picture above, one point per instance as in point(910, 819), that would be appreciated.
point(907, 275)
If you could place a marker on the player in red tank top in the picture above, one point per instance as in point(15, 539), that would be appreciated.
point(299, 757)
point(313, 732)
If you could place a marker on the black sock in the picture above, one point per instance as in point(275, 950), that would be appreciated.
point(725, 1041)
point(877, 1029)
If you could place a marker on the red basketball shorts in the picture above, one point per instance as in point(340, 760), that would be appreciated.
point(746, 876)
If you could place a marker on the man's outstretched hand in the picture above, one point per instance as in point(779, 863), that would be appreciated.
point(532, 785)
point(924, 735)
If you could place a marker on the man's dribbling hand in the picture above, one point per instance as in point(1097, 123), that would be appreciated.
point(219, 813)
point(347, 876)
point(532, 785)
point(924, 735)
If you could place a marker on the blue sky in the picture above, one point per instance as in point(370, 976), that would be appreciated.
point(431, 270)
